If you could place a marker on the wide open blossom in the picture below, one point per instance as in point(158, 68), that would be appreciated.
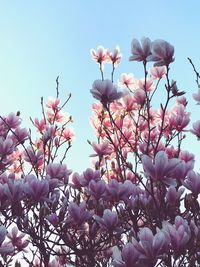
point(101, 149)
point(115, 56)
point(100, 55)
point(128, 80)
point(146, 85)
point(105, 91)
point(53, 103)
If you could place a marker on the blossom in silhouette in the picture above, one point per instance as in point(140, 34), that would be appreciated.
point(162, 53)
point(105, 91)
point(140, 52)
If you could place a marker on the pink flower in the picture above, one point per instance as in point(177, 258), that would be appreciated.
point(179, 118)
point(100, 55)
point(140, 97)
point(146, 87)
point(128, 80)
point(67, 134)
point(78, 213)
point(58, 171)
point(21, 134)
point(101, 149)
point(105, 91)
point(161, 168)
point(97, 189)
point(17, 239)
point(40, 125)
point(197, 97)
point(179, 233)
point(115, 56)
point(6, 146)
point(162, 53)
point(58, 116)
point(179, 122)
point(181, 100)
point(33, 157)
point(158, 72)
point(53, 103)
point(129, 102)
point(193, 182)
point(36, 189)
point(12, 121)
point(196, 129)
point(173, 195)
point(109, 220)
point(13, 189)
point(140, 52)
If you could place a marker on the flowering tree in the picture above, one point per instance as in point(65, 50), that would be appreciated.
point(136, 206)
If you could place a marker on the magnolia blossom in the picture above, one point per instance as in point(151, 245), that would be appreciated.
point(193, 182)
point(162, 167)
point(179, 233)
point(162, 53)
point(128, 80)
point(67, 134)
point(105, 91)
point(12, 121)
point(158, 72)
point(140, 52)
point(78, 213)
point(109, 220)
point(140, 97)
point(16, 239)
point(100, 55)
point(146, 85)
point(115, 56)
point(101, 149)
point(53, 103)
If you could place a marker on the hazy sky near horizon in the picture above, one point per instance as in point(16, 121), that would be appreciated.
point(43, 39)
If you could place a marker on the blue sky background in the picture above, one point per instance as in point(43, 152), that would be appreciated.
point(40, 40)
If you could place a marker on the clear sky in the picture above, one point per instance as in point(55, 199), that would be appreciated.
point(41, 39)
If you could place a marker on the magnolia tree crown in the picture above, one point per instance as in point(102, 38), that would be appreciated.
point(138, 203)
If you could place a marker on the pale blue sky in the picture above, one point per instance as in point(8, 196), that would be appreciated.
point(43, 39)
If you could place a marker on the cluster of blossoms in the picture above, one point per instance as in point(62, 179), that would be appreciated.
point(138, 204)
